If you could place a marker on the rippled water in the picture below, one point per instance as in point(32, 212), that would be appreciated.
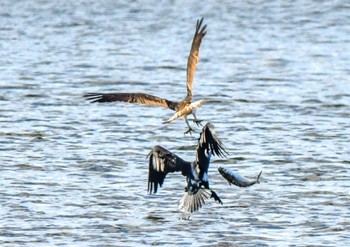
point(276, 79)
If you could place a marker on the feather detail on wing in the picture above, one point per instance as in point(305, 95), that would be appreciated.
point(140, 98)
point(209, 142)
point(192, 202)
point(186, 110)
point(161, 162)
point(236, 179)
point(193, 56)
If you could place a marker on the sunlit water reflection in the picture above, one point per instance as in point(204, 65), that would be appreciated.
point(276, 79)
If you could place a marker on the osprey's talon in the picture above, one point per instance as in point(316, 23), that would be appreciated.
point(189, 131)
point(198, 122)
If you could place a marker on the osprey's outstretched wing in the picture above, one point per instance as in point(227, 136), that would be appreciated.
point(161, 162)
point(140, 98)
point(193, 56)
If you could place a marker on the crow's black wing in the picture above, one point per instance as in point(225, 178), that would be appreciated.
point(161, 162)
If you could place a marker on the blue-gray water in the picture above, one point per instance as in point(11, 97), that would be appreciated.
point(275, 75)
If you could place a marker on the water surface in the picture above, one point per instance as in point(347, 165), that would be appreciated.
point(276, 79)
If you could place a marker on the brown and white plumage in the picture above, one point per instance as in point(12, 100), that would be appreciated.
point(148, 99)
point(193, 57)
point(197, 190)
point(186, 110)
point(140, 98)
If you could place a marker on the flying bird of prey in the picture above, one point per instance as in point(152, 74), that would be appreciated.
point(197, 190)
point(183, 107)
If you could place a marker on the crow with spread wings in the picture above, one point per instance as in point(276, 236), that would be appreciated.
point(197, 190)
point(182, 108)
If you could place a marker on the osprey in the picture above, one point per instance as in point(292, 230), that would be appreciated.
point(197, 190)
point(183, 107)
